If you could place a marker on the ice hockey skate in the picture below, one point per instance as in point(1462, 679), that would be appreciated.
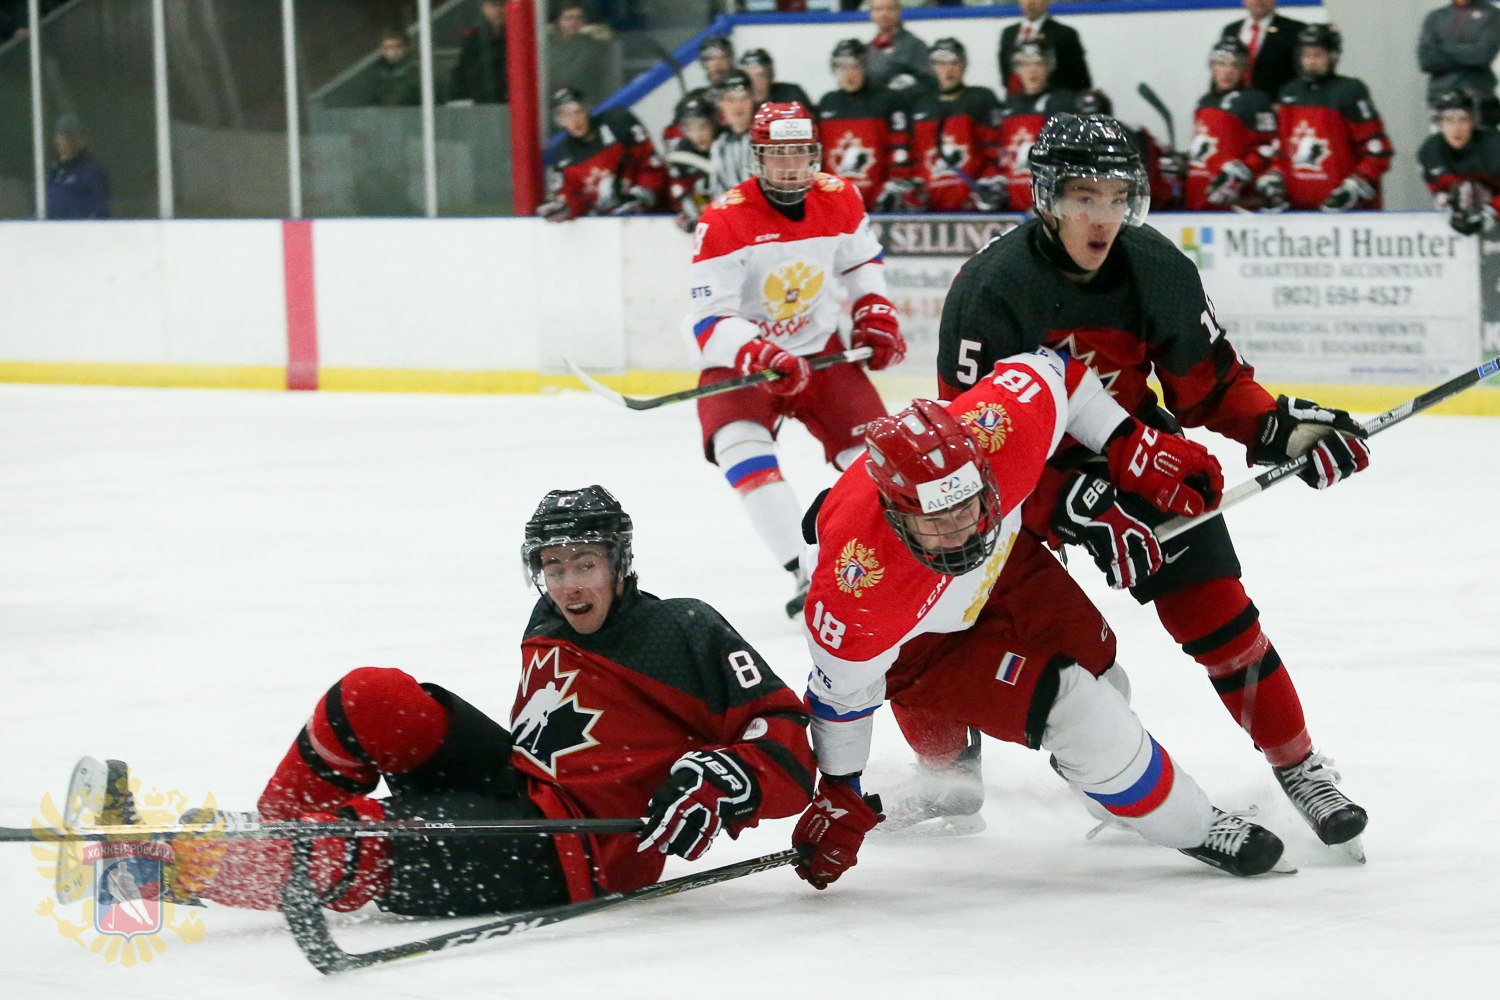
point(951, 795)
point(794, 606)
point(1240, 847)
point(1313, 788)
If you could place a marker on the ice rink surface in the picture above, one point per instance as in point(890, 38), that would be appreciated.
point(183, 573)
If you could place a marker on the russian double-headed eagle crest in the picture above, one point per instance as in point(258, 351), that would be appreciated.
point(791, 290)
point(857, 568)
point(990, 425)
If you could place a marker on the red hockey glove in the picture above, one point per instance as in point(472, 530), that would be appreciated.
point(706, 789)
point(876, 327)
point(1088, 513)
point(830, 832)
point(1173, 474)
point(1333, 441)
point(761, 355)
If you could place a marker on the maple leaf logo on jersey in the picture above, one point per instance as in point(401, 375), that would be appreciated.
point(856, 569)
point(853, 158)
point(791, 290)
point(601, 185)
point(1309, 149)
point(1203, 146)
point(1018, 153)
point(1087, 356)
point(941, 158)
point(990, 425)
point(551, 724)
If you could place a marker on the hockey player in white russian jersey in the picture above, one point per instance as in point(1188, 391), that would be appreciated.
point(766, 257)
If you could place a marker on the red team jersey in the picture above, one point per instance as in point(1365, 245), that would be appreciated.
point(952, 133)
point(599, 720)
point(1235, 125)
point(598, 171)
point(1329, 130)
point(870, 599)
point(1025, 114)
point(864, 136)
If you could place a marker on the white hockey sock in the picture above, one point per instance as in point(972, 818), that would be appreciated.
point(747, 454)
point(1105, 752)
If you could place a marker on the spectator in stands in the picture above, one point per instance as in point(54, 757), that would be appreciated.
point(480, 75)
point(898, 59)
point(576, 56)
point(730, 153)
point(76, 185)
point(1461, 164)
point(863, 130)
point(1457, 44)
point(1271, 41)
point(761, 69)
point(395, 80)
point(604, 165)
point(1037, 23)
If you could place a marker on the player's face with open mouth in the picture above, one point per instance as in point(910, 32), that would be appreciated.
point(1089, 216)
point(580, 580)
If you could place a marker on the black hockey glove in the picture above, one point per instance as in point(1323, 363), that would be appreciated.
point(637, 200)
point(1089, 514)
point(1272, 191)
point(555, 211)
point(990, 194)
point(1477, 220)
point(895, 196)
point(1352, 193)
point(706, 789)
point(1333, 441)
point(1225, 188)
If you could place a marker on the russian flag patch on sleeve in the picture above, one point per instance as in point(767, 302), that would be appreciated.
point(1010, 668)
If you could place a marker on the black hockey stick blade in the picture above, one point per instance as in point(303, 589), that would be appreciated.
point(233, 830)
point(728, 385)
point(309, 926)
point(1159, 106)
point(1390, 418)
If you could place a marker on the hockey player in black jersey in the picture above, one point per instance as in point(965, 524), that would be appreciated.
point(955, 139)
point(1087, 278)
point(1461, 164)
point(758, 65)
point(863, 129)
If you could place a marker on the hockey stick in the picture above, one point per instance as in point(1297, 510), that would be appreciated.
point(309, 926)
point(1150, 97)
point(232, 830)
point(1390, 418)
point(728, 385)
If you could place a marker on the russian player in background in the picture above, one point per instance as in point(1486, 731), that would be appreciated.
point(688, 164)
point(628, 705)
point(1234, 133)
point(1085, 276)
point(1333, 148)
point(927, 592)
point(1461, 165)
point(955, 140)
point(605, 165)
point(863, 130)
point(766, 257)
point(1026, 111)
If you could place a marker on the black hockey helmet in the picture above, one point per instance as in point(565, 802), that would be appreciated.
point(564, 96)
point(735, 79)
point(951, 47)
point(1230, 49)
point(693, 107)
point(572, 517)
point(1088, 147)
point(716, 45)
point(757, 57)
point(850, 48)
point(1320, 36)
point(1035, 49)
point(1095, 102)
point(1451, 100)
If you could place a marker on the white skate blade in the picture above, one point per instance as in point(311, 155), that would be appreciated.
point(1283, 867)
point(1355, 848)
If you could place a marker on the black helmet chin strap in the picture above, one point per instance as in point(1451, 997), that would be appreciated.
point(1049, 244)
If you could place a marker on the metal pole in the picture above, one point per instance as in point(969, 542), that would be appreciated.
point(38, 129)
point(164, 200)
point(293, 117)
point(429, 113)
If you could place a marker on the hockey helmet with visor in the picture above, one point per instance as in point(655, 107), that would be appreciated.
point(784, 141)
point(1091, 148)
point(590, 515)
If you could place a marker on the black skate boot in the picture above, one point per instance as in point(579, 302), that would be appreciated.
point(1312, 787)
point(1239, 847)
point(953, 793)
point(799, 599)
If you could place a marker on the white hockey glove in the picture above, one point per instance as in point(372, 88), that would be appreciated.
point(1272, 191)
point(1225, 188)
point(1352, 193)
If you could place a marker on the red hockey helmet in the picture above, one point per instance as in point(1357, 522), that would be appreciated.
point(784, 140)
point(937, 489)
